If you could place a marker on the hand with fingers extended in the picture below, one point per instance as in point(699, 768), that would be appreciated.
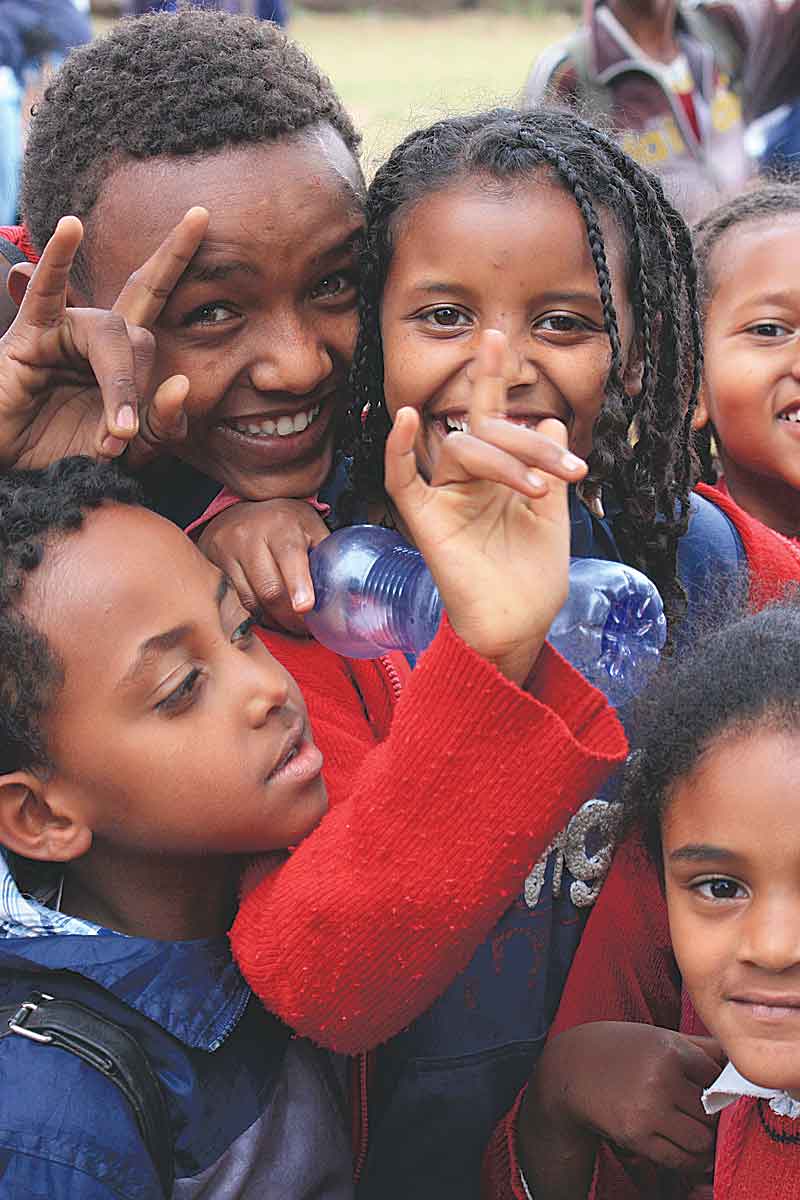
point(262, 546)
point(635, 1086)
point(492, 522)
point(77, 380)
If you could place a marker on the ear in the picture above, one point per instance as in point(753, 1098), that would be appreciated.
point(35, 825)
point(634, 369)
point(701, 415)
point(17, 281)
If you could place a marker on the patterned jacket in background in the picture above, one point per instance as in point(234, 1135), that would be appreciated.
point(602, 71)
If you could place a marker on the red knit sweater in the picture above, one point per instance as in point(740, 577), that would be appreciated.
point(444, 789)
point(758, 1154)
point(624, 968)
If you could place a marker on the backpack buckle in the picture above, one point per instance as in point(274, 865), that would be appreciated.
point(18, 1023)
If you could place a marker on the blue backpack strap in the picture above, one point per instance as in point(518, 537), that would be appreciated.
point(712, 567)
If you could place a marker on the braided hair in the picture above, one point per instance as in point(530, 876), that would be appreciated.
point(641, 445)
point(773, 198)
point(38, 507)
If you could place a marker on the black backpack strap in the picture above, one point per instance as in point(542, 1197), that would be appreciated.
point(111, 1050)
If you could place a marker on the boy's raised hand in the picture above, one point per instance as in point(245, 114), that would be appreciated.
point(492, 523)
point(77, 381)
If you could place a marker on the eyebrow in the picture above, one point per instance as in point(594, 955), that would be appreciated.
point(216, 272)
point(701, 853)
point(345, 246)
point(161, 643)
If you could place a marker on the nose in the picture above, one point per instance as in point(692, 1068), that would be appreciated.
point(265, 685)
point(291, 356)
point(519, 365)
point(770, 935)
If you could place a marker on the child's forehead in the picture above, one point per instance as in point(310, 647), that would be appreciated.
point(287, 191)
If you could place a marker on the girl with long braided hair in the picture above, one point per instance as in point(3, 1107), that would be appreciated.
point(631, 339)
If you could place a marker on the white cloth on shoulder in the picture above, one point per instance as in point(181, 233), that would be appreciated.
point(730, 1086)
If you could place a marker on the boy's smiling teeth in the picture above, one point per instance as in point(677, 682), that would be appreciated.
point(283, 426)
point(792, 415)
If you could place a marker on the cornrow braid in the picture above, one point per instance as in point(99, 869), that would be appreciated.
point(641, 444)
point(769, 199)
point(36, 508)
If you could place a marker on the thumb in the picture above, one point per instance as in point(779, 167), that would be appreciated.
point(17, 281)
point(704, 1060)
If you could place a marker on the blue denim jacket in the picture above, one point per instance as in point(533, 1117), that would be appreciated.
point(254, 1112)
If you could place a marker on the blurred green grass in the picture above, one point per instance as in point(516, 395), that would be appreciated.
point(396, 72)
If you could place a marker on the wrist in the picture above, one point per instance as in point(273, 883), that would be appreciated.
point(556, 1148)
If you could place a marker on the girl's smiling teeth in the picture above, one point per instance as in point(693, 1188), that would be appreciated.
point(283, 426)
point(791, 414)
point(459, 422)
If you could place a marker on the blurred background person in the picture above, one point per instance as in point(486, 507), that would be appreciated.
point(34, 36)
point(679, 82)
point(266, 10)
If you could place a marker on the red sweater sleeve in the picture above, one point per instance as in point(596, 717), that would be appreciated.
point(429, 835)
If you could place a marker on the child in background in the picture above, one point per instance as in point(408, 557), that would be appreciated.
point(749, 258)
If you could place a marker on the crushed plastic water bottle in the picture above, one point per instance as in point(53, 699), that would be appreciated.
point(374, 593)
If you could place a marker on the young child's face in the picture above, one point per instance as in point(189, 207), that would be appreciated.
point(263, 320)
point(175, 732)
point(752, 350)
point(731, 841)
point(478, 255)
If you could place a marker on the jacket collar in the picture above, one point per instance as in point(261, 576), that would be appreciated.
point(613, 51)
point(192, 989)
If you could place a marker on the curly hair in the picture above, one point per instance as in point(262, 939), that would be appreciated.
point(166, 84)
point(772, 198)
point(740, 678)
point(38, 508)
point(652, 472)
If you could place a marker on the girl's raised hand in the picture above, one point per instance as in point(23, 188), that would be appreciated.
point(77, 381)
point(492, 523)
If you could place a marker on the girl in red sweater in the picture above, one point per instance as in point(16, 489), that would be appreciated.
point(713, 783)
point(749, 258)
point(711, 789)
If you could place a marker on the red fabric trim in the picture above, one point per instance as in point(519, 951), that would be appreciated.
point(19, 236)
point(773, 560)
point(226, 499)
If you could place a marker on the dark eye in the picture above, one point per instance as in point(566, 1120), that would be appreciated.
point(210, 314)
point(721, 889)
point(769, 329)
point(182, 695)
point(562, 323)
point(333, 286)
point(446, 317)
point(242, 632)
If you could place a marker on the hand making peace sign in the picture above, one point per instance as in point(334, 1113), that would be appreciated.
point(77, 380)
point(493, 523)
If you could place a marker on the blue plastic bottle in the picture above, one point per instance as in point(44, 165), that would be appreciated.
point(374, 593)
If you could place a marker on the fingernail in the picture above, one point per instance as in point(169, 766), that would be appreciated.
point(301, 597)
point(573, 463)
point(534, 480)
point(112, 447)
point(126, 417)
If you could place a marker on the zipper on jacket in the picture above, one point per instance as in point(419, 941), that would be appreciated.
point(360, 1089)
point(390, 670)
